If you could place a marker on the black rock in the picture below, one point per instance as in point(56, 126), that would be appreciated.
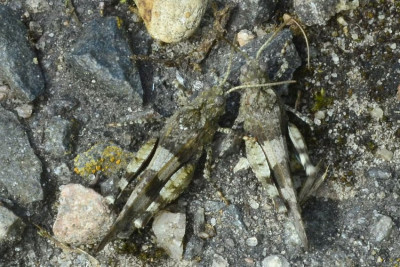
point(17, 68)
point(103, 54)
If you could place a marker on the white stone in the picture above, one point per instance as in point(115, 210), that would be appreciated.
point(377, 113)
point(275, 261)
point(385, 154)
point(24, 111)
point(219, 261)
point(169, 229)
point(36, 6)
point(381, 229)
point(244, 37)
point(252, 241)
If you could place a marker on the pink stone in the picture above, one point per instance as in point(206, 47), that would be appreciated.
point(83, 217)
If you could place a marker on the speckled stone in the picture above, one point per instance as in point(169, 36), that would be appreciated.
point(83, 217)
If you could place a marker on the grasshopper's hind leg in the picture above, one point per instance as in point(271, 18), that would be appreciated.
point(259, 165)
point(171, 190)
point(314, 179)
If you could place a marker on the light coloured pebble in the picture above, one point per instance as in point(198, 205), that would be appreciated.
point(4, 90)
point(219, 261)
point(381, 229)
point(242, 164)
point(275, 261)
point(37, 6)
point(252, 241)
point(254, 204)
point(385, 154)
point(320, 115)
point(24, 111)
point(377, 113)
point(171, 21)
point(83, 217)
point(244, 37)
point(169, 229)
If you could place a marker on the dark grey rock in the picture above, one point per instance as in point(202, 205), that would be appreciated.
point(11, 228)
point(103, 54)
point(271, 59)
point(58, 135)
point(313, 12)
point(252, 12)
point(20, 168)
point(17, 68)
point(193, 248)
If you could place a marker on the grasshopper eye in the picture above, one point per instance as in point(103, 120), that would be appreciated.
point(219, 100)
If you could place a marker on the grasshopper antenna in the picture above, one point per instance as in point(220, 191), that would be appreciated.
point(287, 20)
point(236, 88)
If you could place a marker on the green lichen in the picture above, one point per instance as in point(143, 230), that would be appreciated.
point(321, 100)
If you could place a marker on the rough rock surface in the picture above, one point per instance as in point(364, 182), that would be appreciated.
point(83, 217)
point(11, 228)
point(103, 56)
point(169, 229)
point(18, 68)
point(20, 168)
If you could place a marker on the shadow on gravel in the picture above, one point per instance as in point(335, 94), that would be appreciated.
point(322, 222)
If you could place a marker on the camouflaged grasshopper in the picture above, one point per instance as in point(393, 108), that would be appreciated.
point(264, 120)
point(164, 167)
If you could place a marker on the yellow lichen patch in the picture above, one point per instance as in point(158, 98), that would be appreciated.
point(107, 158)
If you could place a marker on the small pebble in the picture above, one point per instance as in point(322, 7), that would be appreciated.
point(24, 111)
point(252, 241)
point(83, 217)
point(377, 113)
point(381, 229)
point(219, 261)
point(171, 21)
point(275, 261)
point(244, 37)
point(169, 229)
point(385, 154)
point(242, 164)
point(320, 115)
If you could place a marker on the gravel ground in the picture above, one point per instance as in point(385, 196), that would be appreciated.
point(350, 96)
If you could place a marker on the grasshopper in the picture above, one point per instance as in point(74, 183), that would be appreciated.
point(164, 167)
point(264, 120)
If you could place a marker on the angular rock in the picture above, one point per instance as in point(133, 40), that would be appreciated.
point(20, 168)
point(254, 12)
point(381, 229)
point(11, 228)
point(219, 261)
point(169, 229)
point(58, 136)
point(83, 217)
point(379, 173)
point(36, 6)
point(313, 12)
point(17, 68)
point(271, 59)
point(103, 54)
